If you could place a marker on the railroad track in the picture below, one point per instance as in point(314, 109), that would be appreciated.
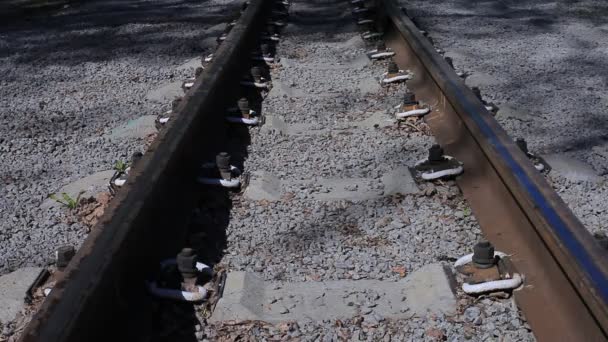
point(103, 291)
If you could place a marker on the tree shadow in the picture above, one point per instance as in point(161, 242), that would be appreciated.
point(101, 31)
point(206, 230)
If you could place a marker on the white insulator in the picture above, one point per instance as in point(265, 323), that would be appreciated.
point(371, 35)
point(365, 21)
point(172, 261)
point(384, 54)
point(400, 77)
point(255, 84)
point(232, 183)
point(187, 296)
point(443, 173)
point(492, 286)
point(252, 121)
point(119, 182)
point(469, 258)
point(414, 112)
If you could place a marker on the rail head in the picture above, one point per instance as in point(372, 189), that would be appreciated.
point(571, 244)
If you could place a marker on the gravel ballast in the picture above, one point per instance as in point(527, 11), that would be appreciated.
point(68, 80)
point(543, 64)
point(325, 83)
point(98, 64)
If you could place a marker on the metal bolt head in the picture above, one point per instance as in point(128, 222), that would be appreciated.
point(136, 157)
point(450, 61)
point(243, 105)
point(522, 144)
point(409, 99)
point(221, 38)
point(63, 255)
point(279, 6)
point(392, 67)
point(256, 72)
point(222, 160)
point(186, 263)
point(228, 27)
point(602, 239)
point(477, 92)
point(436, 153)
point(483, 255)
point(266, 49)
point(175, 103)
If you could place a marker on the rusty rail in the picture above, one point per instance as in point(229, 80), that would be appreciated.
point(99, 297)
point(566, 292)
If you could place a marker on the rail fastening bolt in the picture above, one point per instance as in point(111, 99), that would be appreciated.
point(222, 160)
point(436, 153)
point(409, 99)
point(63, 255)
point(175, 103)
point(256, 72)
point(393, 68)
point(186, 263)
point(266, 49)
point(381, 46)
point(483, 255)
point(271, 29)
point(477, 93)
point(450, 61)
point(243, 105)
point(136, 157)
point(522, 144)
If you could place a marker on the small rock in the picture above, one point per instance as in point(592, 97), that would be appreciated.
point(471, 313)
point(435, 334)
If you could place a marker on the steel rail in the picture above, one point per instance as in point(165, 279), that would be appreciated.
point(548, 234)
point(566, 287)
point(97, 297)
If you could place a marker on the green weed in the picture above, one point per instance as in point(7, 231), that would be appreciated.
point(67, 200)
point(121, 166)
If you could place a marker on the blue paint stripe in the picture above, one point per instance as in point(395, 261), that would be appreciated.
point(556, 223)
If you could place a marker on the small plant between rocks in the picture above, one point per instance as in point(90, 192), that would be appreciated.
point(120, 166)
point(67, 200)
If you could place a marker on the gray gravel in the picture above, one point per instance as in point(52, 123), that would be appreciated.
point(548, 60)
point(66, 81)
point(302, 239)
point(486, 321)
